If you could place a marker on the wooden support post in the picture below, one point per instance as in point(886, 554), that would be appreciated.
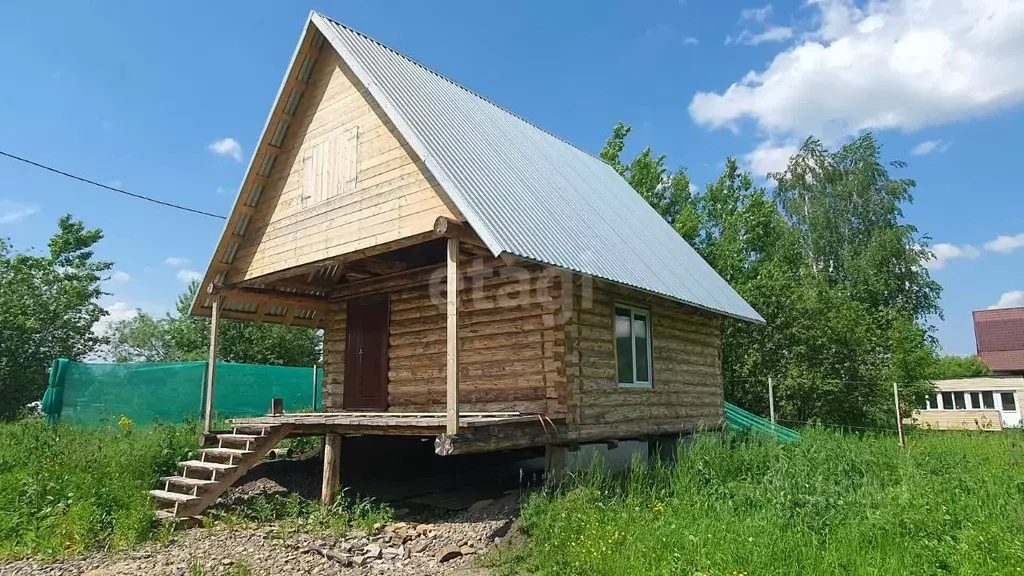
point(452, 367)
point(555, 460)
point(771, 400)
point(899, 415)
point(332, 467)
point(211, 367)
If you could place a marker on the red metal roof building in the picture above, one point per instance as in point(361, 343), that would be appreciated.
point(999, 334)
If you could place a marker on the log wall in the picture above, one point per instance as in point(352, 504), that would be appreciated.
point(512, 345)
point(532, 344)
point(687, 386)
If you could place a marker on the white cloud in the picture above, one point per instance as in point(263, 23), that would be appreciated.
point(771, 34)
point(693, 188)
point(690, 41)
point(769, 157)
point(1005, 244)
point(929, 146)
point(1011, 299)
point(221, 191)
point(114, 183)
point(115, 312)
point(890, 64)
point(761, 14)
point(186, 276)
point(176, 261)
point(943, 253)
point(120, 276)
point(760, 17)
point(14, 212)
point(227, 147)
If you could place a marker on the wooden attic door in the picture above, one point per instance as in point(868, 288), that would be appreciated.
point(366, 354)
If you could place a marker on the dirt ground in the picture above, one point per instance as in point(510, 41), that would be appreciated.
point(448, 512)
point(401, 548)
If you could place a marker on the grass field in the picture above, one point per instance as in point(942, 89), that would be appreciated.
point(951, 503)
point(64, 491)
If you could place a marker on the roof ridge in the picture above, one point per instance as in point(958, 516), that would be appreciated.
point(457, 85)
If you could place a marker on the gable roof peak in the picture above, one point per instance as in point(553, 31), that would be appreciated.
point(444, 78)
point(526, 192)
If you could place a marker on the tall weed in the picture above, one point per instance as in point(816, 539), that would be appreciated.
point(64, 490)
point(951, 503)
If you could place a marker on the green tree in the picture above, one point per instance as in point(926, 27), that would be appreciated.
point(827, 258)
point(180, 337)
point(947, 367)
point(48, 306)
point(666, 191)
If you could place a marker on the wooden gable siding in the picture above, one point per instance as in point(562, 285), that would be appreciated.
point(383, 194)
point(512, 346)
point(687, 391)
point(957, 419)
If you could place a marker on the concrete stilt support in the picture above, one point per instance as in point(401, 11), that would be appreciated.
point(555, 461)
point(662, 449)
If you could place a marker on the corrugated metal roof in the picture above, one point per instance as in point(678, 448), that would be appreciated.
point(526, 192)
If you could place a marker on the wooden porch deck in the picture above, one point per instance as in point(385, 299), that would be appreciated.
point(397, 423)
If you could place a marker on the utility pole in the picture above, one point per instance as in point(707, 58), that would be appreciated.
point(899, 415)
point(771, 400)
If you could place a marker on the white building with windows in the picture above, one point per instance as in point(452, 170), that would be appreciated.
point(986, 403)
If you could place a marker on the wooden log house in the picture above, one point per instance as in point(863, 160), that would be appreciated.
point(477, 279)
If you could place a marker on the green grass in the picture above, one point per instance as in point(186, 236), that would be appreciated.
point(951, 503)
point(64, 491)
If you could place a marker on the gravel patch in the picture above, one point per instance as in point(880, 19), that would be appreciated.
point(410, 548)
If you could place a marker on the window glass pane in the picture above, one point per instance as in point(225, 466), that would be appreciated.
point(623, 346)
point(1009, 405)
point(958, 401)
point(933, 402)
point(988, 400)
point(947, 400)
point(975, 400)
point(640, 332)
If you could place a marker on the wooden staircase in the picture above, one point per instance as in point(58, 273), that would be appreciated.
point(224, 457)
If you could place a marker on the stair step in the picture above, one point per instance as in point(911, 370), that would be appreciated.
point(167, 515)
point(224, 452)
point(176, 497)
point(189, 482)
point(231, 437)
point(257, 430)
point(213, 466)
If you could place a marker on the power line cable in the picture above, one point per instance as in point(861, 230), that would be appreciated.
point(111, 188)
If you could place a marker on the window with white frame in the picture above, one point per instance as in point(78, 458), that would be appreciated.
point(1008, 401)
point(983, 400)
point(988, 400)
point(633, 346)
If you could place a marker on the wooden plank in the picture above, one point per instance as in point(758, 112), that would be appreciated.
point(452, 340)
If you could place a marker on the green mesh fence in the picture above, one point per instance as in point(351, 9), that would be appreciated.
point(93, 394)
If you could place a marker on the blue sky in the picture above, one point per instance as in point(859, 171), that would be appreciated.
point(136, 94)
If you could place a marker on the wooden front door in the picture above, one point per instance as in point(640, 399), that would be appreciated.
point(366, 354)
